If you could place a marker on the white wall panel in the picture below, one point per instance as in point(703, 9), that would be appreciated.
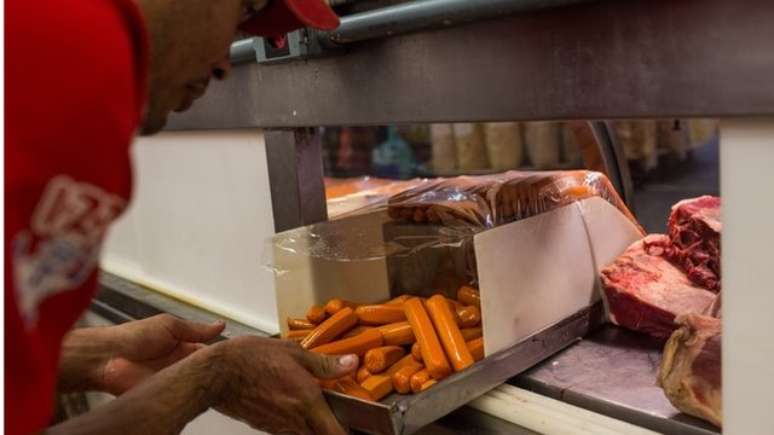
point(198, 222)
point(747, 189)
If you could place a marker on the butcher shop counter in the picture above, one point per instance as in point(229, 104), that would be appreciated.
point(612, 372)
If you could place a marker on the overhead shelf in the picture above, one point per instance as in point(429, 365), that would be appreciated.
point(607, 59)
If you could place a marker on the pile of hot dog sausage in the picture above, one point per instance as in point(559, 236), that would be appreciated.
point(405, 345)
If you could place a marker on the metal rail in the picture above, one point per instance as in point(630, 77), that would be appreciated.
point(408, 17)
point(242, 51)
point(425, 14)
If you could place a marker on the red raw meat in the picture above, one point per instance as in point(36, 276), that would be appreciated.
point(694, 233)
point(690, 371)
point(645, 292)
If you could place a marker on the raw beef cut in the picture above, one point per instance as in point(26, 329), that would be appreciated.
point(690, 371)
point(714, 310)
point(644, 291)
point(694, 235)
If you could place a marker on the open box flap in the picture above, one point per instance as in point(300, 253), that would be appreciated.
point(538, 271)
point(334, 259)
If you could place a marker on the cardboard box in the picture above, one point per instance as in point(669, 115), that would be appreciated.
point(538, 282)
point(532, 273)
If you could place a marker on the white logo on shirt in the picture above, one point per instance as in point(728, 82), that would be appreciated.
point(61, 249)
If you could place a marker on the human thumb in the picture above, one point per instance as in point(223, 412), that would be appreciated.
point(195, 332)
point(327, 366)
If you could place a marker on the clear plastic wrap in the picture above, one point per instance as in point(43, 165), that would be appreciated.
point(350, 196)
point(338, 187)
point(424, 240)
point(354, 256)
point(492, 200)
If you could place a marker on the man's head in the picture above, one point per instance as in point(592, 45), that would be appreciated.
point(189, 44)
point(190, 40)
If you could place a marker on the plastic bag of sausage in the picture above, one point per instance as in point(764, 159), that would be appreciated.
point(469, 205)
point(492, 200)
point(421, 238)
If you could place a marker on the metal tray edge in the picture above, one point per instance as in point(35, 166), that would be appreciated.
point(404, 415)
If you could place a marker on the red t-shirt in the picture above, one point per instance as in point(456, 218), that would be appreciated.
point(75, 87)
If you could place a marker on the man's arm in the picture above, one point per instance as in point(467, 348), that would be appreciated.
point(84, 353)
point(161, 405)
point(116, 358)
point(269, 384)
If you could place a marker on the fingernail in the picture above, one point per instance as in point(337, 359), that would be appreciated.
point(348, 361)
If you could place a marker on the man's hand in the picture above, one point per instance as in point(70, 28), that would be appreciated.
point(116, 358)
point(271, 385)
point(146, 346)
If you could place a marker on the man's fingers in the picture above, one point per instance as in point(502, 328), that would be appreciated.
point(185, 349)
point(180, 352)
point(321, 419)
point(194, 332)
point(326, 366)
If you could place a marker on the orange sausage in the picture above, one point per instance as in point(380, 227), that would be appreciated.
point(416, 352)
point(327, 384)
point(356, 330)
point(380, 314)
point(449, 333)
point(359, 344)
point(476, 348)
point(469, 316)
point(335, 305)
point(469, 296)
point(432, 352)
point(401, 380)
point(330, 384)
point(379, 359)
point(397, 334)
point(316, 314)
point(351, 388)
point(362, 375)
point(294, 324)
point(378, 386)
point(297, 335)
point(406, 361)
point(330, 329)
point(471, 333)
point(398, 300)
point(454, 305)
point(427, 385)
point(418, 379)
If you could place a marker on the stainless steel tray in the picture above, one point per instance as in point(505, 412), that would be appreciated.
point(405, 414)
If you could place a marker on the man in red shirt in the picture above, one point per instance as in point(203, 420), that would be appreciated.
point(82, 76)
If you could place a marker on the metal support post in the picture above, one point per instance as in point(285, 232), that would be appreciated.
point(294, 158)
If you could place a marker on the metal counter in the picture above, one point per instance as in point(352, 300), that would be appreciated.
point(613, 372)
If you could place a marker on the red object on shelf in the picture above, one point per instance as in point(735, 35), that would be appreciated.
point(279, 41)
point(283, 16)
